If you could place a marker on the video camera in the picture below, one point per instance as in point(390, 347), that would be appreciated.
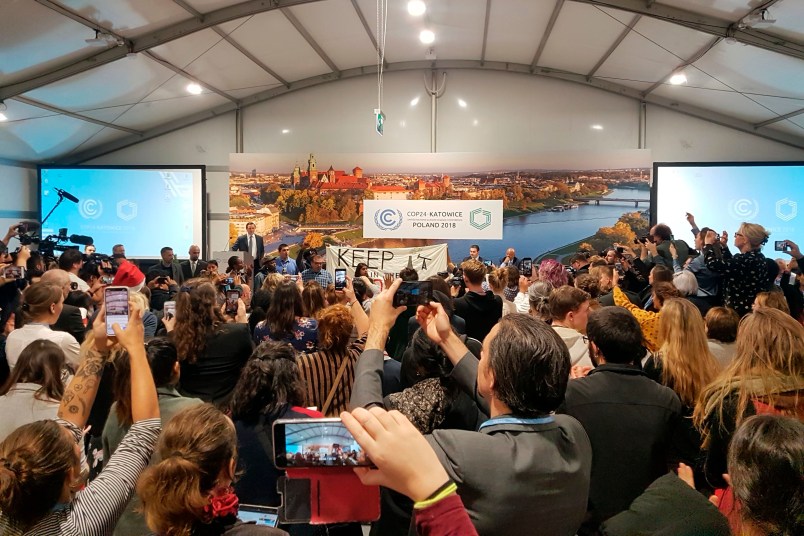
point(27, 235)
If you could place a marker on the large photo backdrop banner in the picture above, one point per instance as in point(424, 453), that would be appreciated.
point(553, 203)
point(426, 260)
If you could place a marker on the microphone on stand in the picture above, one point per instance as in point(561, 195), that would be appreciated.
point(66, 195)
point(81, 239)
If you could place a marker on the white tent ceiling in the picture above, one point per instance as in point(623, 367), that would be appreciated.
point(70, 101)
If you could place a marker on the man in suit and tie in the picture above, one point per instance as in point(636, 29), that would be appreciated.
point(252, 243)
point(193, 267)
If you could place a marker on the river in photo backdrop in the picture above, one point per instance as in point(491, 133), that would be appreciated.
point(533, 235)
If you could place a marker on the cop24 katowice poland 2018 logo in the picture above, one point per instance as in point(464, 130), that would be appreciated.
point(480, 219)
point(388, 219)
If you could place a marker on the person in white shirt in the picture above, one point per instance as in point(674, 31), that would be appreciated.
point(34, 390)
point(569, 307)
point(71, 261)
point(41, 307)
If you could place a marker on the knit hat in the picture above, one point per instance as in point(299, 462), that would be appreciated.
point(130, 276)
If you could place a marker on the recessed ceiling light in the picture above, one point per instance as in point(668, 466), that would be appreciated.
point(462, 103)
point(597, 127)
point(285, 131)
point(678, 79)
point(475, 122)
point(416, 8)
point(426, 36)
point(415, 101)
point(403, 124)
point(194, 89)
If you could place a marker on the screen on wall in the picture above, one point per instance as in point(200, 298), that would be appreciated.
point(722, 195)
point(143, 208)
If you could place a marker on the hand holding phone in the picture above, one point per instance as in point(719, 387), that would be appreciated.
point(115, 300)
point(232, 298)
point(526, 267)
point(13, 272)
point(340, 278)
point(413, 293)
point(169, 309)
point(316, 443)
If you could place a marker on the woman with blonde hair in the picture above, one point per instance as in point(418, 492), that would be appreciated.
point(773, 299)
point(189, 492)
point(765, 376)
point(685, 365)
point(744, 274)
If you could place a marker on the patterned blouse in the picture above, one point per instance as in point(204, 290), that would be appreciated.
point(303, 337)
point(648, 320)
point(744, 275)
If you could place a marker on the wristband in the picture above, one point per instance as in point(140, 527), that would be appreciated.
point(441, 493)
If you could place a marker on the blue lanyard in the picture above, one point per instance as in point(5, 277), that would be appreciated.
point(517, 420)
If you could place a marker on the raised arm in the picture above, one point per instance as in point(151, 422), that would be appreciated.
point(358, 314)
point(144, 402)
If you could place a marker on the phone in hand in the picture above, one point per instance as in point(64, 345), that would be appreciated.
point(526, 267)
point(169, 309)
point(413, 293)
point(13, 272)
point(232, 296)
point(316, 443)
point(781, 245)
point(488, 263)
point(162, 280)
point(107, 279)
point(267, 516)
point(340, 278)
point(117, 309)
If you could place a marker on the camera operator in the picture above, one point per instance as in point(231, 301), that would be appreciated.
point(71, 262)
point(167, 267)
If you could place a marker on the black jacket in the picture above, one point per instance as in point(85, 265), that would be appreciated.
point(187, 273)
point(480, 311)
point(70, 321)
point(629, 419)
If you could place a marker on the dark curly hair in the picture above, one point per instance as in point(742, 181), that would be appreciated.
point(269, 381)
point(197, 317)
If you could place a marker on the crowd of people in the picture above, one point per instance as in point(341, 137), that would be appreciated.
point(651, 388)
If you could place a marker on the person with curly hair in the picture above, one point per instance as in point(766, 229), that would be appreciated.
point(553, 272)
point(211, 350)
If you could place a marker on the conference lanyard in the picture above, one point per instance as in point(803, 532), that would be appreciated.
point(516, 420)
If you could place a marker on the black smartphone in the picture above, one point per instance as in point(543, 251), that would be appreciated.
point(526, 267)
point(340, 278)
point(13, 272)
point(316, 443)
point(229, 281)
point(412, 293)
point(780, 245)
point(488, 263)
point(162, 279)
point(620, 250)
point(116, 300)
point(231, 301)
point(266, 516)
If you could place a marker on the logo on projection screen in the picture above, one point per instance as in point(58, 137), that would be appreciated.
point(126, 210)
point(90, 209)
point(479, 218)
point(786, 210)
point(744, 209)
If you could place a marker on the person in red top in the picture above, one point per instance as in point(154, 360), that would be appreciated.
point(408, 464)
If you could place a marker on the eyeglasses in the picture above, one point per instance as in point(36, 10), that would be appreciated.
point(739, 234)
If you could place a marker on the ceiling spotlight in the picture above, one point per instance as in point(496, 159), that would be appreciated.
point(194, 89)
point(475, 122)
point(414, 102)
point(416, 8)
point(678, 79)
point(462, 103)
point(597, 127)
point(285, 131)
point(426, 36)
point(760, 18)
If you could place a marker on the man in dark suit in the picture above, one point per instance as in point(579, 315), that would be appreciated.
point(524, 467)
point(193, 267)
point(70, 319)
point(252, 243)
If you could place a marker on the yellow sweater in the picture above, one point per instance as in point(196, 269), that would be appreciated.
point(648, 320)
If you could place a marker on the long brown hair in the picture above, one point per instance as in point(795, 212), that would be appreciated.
point(35, 460)
point(313, 299)
point(197, 446)
point(197, 317)
point(161, 354)
point(768, 362)
point(286, 305)
point(41, 362)
point(687, 363)
point(37, 299)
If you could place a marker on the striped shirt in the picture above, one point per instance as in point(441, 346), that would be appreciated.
point(96, 509)
point(319, 369)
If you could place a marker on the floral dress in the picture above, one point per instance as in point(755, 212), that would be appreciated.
point(303, 337)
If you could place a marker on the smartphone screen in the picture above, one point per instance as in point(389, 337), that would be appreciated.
point(169, 309)
point(779, 245)
point(412, 293)
point(527, 267)
point(340, 278)
point(116, 300)
point(261, 515)
point(315, 443)
point(107, 279)
point(13, 272)
point(231, 301)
